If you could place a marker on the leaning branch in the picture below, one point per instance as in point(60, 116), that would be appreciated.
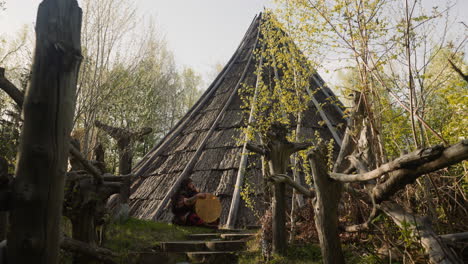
point(286, 179)
point(115, 132)
point(400, 178)
point(458, 70)
point(301, 146)
point(86, 164)
point(410, 160)
point(11, 89)
point(256, 148)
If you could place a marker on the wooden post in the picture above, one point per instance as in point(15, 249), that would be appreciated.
point(124, 139)
point(234, 208)
point(48, 117)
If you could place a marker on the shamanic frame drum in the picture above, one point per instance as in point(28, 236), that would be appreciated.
point(208, 209)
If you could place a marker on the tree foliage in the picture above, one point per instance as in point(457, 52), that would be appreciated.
point(283, 75)
point(395, 58)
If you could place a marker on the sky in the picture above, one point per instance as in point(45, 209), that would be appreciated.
point(200, 33)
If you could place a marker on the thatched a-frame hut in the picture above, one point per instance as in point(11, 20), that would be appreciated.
point(204, 146)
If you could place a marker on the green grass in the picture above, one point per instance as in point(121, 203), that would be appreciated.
point(305, 254)
point(138, 235)
point(296, 254)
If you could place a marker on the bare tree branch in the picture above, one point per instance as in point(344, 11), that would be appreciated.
point(300, 146)
point(286, 179)
point(401, 177)
point(458, 70)
point(86, 164)
point(412, 159)
point(11, 89)
point(256, 148)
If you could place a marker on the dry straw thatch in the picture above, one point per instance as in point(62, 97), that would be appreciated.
point(204, 146)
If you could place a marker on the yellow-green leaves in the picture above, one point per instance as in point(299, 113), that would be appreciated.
point(283, 79)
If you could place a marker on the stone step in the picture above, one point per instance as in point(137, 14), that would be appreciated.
point(207, 236)
point(212, 257)
point(237, 236)
point(193, 246)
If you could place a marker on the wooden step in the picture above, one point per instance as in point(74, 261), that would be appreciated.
point(253, 227)
point(237, 236)
point(235, 245)
point(182, 246)
point(212, 257)
point(207, 236)
point(194, 246)
point(231, 230)
point(156, 257)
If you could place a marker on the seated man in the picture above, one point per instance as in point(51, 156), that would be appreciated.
point(183, 205)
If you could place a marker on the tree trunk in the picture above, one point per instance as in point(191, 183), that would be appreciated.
point(328, 195)
point(4, 186)
point(278, 160)
point(125, 167)
point(279, 219)
point(277, 152)
point(48, 115)
point(83, 229)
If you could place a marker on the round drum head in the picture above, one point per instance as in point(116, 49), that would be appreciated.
point(208, 209)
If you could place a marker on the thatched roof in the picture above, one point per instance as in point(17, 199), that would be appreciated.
point(203, 145)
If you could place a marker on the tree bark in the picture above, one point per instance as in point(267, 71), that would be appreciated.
point(277, 152)
point(328, 194)
point(278, 160)
point(84, 229)
point(5, 179)
point(48, 116)
point(410, 160)
point(401, 177)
